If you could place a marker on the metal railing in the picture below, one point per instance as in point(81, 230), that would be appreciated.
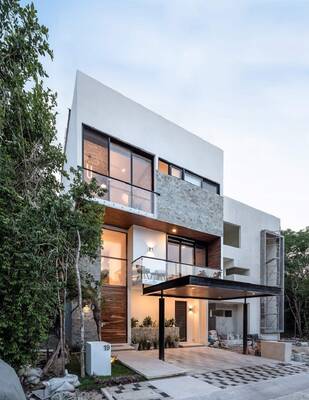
point(123, 193)
point(151, 270)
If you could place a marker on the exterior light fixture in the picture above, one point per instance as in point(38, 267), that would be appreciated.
point(174, 230)
point(190, 308)
point(150, 249)
point(86, 309)
point(103, 186)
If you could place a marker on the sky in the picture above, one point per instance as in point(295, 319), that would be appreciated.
point(236, 73)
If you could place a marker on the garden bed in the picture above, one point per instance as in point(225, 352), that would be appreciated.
point(121, 375)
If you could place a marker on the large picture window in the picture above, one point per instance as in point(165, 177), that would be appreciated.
point(126, 172)
point(114, 258)
point(185, 251)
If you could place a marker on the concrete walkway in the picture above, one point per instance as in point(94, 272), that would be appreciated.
point(208, 359)
point(186, 360)
point(147, 364)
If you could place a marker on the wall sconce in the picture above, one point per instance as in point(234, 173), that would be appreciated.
point(190, 308)
point(150, 249)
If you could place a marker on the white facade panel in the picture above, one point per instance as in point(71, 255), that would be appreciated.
point(104, 109)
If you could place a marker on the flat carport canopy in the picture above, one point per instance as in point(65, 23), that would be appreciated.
point(204, 288)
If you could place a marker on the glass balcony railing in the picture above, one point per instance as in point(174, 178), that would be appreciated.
point(123, 193)
point(151, 271)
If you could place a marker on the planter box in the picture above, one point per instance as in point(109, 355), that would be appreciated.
point(280, 351)
point(151, 334)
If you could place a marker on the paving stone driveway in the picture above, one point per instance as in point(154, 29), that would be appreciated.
point(243, 376)
point(221, 379)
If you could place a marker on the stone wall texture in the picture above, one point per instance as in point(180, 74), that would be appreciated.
point(184, 204)
point(93, 269)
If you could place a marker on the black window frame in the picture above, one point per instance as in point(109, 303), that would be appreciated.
point(187, 242)
point(132, 149)
point(184, 170)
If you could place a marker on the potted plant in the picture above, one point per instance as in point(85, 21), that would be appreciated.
point(134, 322)
point(147, 323)
point(134, 343)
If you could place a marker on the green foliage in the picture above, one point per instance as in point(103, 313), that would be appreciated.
point(134, 322)
point(27, 163)
point(38, 220)
point(147, 322)
point(297, 278)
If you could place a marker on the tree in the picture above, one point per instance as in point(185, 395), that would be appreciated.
point(297, 278)
point(44, 230)
point(28, 163)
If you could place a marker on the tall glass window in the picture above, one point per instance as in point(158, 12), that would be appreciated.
point(126, 173)
point(120, 163)
point(142, 171)
point(113, 260)
point(95, 153)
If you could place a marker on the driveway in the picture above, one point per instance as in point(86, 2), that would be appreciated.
point(214, 374)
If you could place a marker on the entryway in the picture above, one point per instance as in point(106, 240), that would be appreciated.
point(181, 319)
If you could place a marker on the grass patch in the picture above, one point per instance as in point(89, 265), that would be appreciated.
point(120, 375)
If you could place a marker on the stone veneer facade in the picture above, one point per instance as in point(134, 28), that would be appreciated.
point(184, 204)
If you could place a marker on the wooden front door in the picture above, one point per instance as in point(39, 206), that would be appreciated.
point(114, 314)
point(181, 319)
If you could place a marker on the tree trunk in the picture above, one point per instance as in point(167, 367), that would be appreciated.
point(80, 305)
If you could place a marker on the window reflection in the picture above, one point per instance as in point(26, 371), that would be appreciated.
point(120, 163)
point(113, 260)
point(95, 153)
point(142, 171)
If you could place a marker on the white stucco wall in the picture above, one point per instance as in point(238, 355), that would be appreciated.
point(108, 111)
point(139, 239)
point(252, 222)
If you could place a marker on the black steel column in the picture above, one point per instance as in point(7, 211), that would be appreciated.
point(161, 327)
point(245, 327)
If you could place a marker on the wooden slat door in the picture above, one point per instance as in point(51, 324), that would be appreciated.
point(181, 319)
point(114, 314)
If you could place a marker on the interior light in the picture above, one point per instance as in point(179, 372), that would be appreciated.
point(123, 170)
point(125, 198)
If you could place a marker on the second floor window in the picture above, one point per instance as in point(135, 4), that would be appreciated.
point(125, 171)
point(170, 169)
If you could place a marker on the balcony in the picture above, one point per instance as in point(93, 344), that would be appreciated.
point(122, 194)
point(151, 271)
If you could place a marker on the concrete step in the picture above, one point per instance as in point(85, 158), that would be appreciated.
point(191, 344)
point(121, 347)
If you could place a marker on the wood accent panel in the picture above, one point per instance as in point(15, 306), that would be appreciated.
point(114, 314)
point(214, 253)
point(124, 219)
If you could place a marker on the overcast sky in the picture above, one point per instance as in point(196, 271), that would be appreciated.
point(235, 73)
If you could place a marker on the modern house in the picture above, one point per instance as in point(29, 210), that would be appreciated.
point(169, 231)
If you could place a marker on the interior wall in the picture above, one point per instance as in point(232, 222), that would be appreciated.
point(142, 306)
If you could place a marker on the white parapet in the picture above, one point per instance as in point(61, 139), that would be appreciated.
point(98, 358)
point(280, 351)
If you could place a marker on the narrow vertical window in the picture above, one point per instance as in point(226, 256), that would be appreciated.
point(95, 153)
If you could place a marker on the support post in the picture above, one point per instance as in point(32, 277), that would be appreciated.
point(161, 327)
point(245, 327)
